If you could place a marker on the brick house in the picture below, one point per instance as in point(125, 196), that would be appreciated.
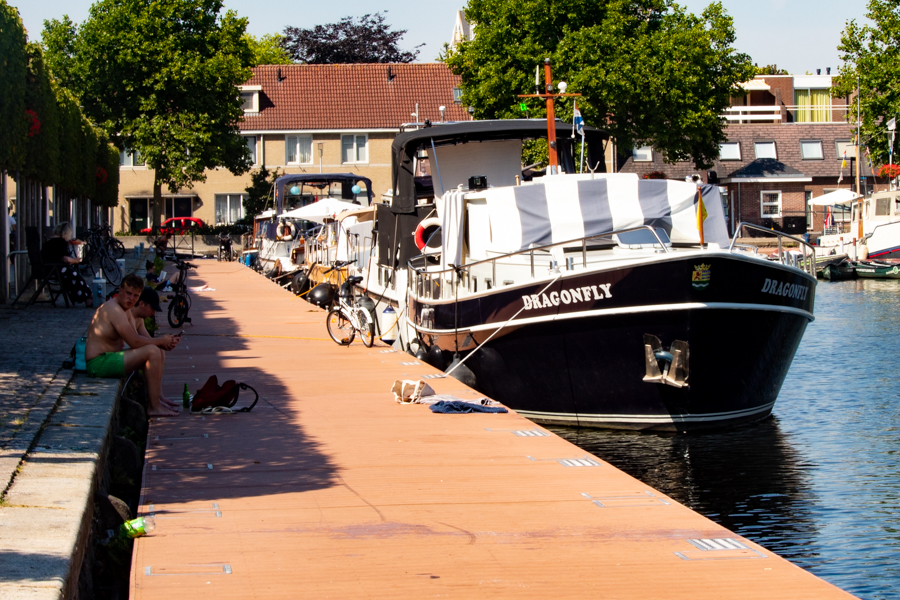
point(786, 141)
point(305, 119)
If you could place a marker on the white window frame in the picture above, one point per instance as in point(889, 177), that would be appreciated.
point(252, 91)
point(732, 145)
point(642, 154)
point(229, 199)
point(356, 148)
point(251, 144)
point(803, 152)
point(126, 158)
point(294, 140)
point(457, 95)
point(756, 146)
point(763, 203)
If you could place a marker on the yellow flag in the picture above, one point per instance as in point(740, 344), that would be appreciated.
point(844, 162)
point(701, 214)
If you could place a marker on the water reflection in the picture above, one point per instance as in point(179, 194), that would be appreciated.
point(749, 480)
point(820, 482)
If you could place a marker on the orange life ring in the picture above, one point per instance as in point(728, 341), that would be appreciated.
point(421, 240)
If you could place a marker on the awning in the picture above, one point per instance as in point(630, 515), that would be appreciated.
point(755, 85)
point(843, 196)
point(326, 208)
point(362, 215)
point(150, 196)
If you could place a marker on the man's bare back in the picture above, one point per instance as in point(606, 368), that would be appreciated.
point(112, 325)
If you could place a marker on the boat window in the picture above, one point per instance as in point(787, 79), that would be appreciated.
point(642, 238)
point(882, 207)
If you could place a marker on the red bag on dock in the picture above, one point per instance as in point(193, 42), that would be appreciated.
point(213, 397)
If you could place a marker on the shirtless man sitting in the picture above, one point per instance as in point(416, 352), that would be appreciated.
point(146, 306)
point(112, 327)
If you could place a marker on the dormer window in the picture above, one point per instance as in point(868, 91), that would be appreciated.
point(250, 98)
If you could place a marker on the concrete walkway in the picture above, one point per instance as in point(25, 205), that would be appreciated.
point(329, 489)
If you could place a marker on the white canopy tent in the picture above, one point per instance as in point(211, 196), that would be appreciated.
point(326, 208)
point(842, 196)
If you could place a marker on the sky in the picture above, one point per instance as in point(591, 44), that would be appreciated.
point(798, 35)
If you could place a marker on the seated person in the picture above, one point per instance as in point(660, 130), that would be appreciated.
point(111, 328)
point(147, 306)
point(58, 250)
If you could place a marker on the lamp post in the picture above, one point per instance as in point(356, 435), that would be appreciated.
point(319, 144)
point(549, 96)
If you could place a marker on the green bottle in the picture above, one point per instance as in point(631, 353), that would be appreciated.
point(186, 398)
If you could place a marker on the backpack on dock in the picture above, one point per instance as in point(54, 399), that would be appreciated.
point(213, 398)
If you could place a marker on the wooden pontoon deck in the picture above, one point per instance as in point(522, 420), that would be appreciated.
point(329, 489)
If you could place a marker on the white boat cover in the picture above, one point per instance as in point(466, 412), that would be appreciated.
point(557, 209)
point(326, 208)
point(842, 196)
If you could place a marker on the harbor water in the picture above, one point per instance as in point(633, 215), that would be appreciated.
point(819, 482)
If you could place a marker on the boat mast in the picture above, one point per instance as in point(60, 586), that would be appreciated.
point(858, 163)
point(553, 168)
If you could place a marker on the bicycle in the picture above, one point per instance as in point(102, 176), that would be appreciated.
point(347, 317)
point(97, 251)
point(226, 248)
point(181, 301)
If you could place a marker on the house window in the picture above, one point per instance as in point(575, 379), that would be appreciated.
point(298, 150)
point(730, 151)
point(811, 149)
point(807, 196)
point(229, 208)
point(842, 146)
point(765, 150)
point(250, 98)
point(129, 158)
point(813, 106)
point(770, 205)
point(251, 145)
point(353, 148)
point(457, 95)
point(643, 154)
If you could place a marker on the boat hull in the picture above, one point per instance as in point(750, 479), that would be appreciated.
point(875, 271)
point(588, 366)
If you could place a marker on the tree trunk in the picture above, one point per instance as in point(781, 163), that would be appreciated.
point(156, 209)
point(4, 239)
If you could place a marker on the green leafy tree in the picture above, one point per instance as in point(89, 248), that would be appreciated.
point(871, 53)
point(769, 70)
point(13, 68)
point(268, 50)
point(160, 77)
point(365, 40)
point(58, 40)
point(42, 150)
point(259, 192)
point(650, 73)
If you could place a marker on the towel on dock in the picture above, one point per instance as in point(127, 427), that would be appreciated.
point(461, 407)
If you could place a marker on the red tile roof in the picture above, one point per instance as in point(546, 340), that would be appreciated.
point(356, 96)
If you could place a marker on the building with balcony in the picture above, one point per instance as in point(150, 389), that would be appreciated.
point(788, 137)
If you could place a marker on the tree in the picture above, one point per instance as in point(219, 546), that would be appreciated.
point(161, 77)
point(58, 39)
point(268, 50)
point(367, 40)
point(259, 192)
point(13, 69)
point(769, 70)
point(649, 72)
point(871, 53)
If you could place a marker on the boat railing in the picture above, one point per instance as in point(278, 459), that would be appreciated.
point(804, 260)
point(443, 284)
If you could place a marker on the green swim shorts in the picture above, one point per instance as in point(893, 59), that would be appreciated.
point(109, 365)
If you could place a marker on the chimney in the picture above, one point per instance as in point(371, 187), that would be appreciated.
point(828, 70)
point(818, 71)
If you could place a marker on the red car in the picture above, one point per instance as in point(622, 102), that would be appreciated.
point(177, 224)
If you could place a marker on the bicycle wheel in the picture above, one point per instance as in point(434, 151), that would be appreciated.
point(178, 310)
point(116, 248)
point(111, 269)
point(339, 327)
point(366, 327)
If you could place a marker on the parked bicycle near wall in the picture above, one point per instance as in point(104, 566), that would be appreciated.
point(100, 253)
point(348, 317)
point(226, 248)
point(180, 304)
